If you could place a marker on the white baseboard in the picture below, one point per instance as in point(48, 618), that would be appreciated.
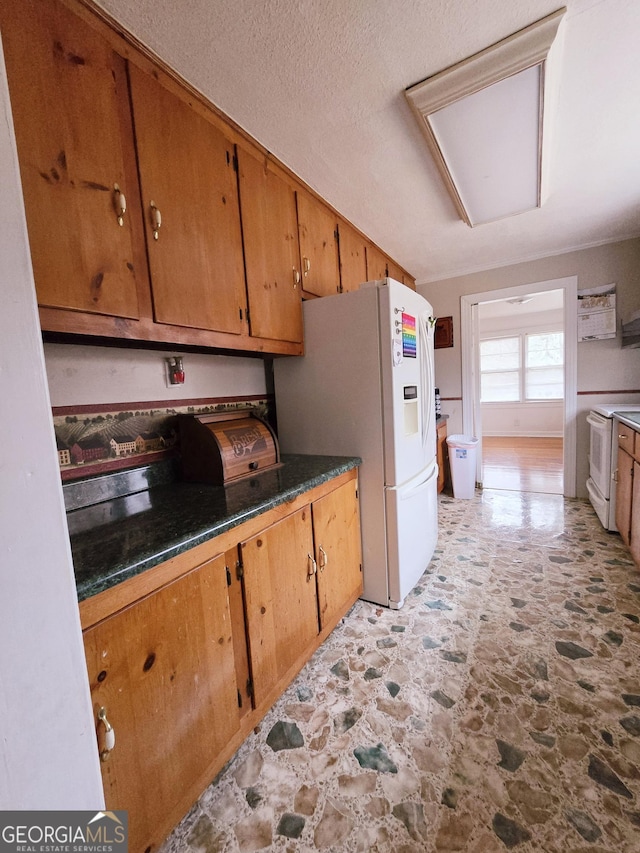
point(520, 434)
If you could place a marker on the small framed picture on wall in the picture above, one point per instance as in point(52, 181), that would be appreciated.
point(443, 332)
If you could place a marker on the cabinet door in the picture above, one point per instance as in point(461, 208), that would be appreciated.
point(353, 258)
point(634, 524)
point(336, 529)
point(395, 272)
point(188, 179)
point(164, 671)
point(624, 491)
point(272, 255)
point(409, 280)
point(70, 108)
point(376, 264)
point(442, 455)
point(317, 227)
point(281, 603)
point(240, 647)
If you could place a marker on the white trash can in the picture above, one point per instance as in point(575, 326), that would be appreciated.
point(462, 461)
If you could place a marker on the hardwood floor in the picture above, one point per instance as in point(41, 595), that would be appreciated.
point(523, 464)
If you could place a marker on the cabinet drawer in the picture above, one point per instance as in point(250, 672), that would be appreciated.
point(626, 438)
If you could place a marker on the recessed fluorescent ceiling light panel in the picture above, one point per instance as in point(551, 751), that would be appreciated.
point(483, 121)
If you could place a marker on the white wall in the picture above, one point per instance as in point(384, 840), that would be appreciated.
point(81, 375)
point(603, 366)
point(48, 758)
point(526, 418)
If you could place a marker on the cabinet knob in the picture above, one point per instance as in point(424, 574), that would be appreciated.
point(306, 265)
point(109, 738)
point(296, 278)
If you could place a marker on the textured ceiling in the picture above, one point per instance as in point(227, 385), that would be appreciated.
point(320, 83)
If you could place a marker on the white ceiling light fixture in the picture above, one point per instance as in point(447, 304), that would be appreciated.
point(520, 300)
point(483, 122)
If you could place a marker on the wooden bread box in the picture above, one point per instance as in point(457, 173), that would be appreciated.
point(222, 449)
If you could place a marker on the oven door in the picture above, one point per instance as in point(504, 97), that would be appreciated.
point(600, 452)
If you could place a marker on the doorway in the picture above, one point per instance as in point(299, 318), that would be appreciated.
point(546, 459)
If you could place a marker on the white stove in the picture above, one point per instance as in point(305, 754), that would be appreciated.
point(603, 460)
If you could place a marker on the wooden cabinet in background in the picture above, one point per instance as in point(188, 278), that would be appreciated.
point(353, 258)
point(163, 670)
point(634, 535)
point(191, 211)
point(376, 264)
point(442, 455)
point(272, 254)
point(395, 271)
point(624, 494)
point(318, 232)
point(628, 488)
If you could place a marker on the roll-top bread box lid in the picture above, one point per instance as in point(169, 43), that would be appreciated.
point(221, 449)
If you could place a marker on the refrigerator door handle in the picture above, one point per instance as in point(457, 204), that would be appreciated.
point(427, 375)
point(423, 484)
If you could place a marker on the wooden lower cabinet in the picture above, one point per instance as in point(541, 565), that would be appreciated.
point(628, 489)
point(442, 455)
point(187, 657)
point(336, 526)
point(634, 536)
point(163, 670)
point(624, 495)
point(281, 603)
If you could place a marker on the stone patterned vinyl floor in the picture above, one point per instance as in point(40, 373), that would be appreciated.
point(498, 709)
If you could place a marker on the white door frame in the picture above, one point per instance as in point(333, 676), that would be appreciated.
point(469, 381)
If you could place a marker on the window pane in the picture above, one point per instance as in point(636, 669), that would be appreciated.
point(544, 374)
point(500, 354)
point(500, 387)
point(545, 383)
point(545, 349)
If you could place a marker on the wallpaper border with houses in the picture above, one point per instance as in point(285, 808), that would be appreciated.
point(98, 439)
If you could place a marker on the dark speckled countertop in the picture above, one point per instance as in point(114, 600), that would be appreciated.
point(115, 539)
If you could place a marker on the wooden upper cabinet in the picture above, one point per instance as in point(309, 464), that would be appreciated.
point(189, 186)
point(409, 280)
point(394, 271)
point(317, 227)
point(336, 527)
point(376, 264)
point(70, 108)
point(353, 258)
point(163, 670)
point(272, 257)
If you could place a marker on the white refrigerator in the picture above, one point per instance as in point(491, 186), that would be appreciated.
point(365, 387)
